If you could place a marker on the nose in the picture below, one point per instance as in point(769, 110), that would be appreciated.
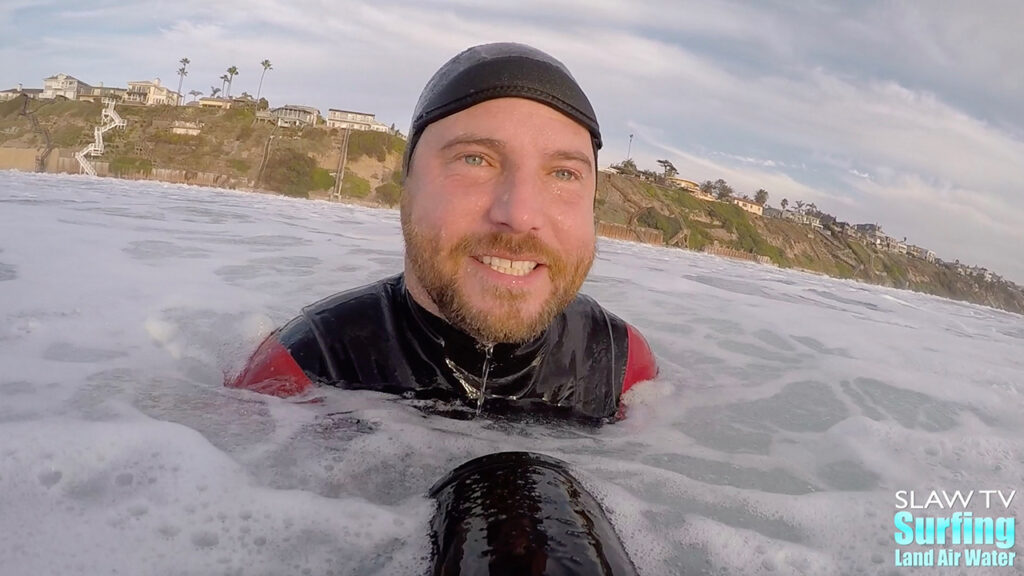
point(518, 204)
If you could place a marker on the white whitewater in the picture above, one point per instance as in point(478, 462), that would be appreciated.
point(789, 410)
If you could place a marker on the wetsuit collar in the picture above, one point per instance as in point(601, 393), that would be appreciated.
point(511, 365)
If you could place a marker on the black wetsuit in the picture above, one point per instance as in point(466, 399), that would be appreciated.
point(377, 337)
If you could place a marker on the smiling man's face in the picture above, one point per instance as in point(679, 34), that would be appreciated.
point(498, 217)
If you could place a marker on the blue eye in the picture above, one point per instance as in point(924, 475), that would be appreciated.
point(566, 175)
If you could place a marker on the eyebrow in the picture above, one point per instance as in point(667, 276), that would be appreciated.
point(573, 156)
point(498, 146)
point(472, 139)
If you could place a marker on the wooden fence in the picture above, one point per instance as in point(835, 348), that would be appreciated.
point(730, 253)
point(630, 233)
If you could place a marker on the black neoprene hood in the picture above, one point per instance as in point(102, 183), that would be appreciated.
point(501, 70)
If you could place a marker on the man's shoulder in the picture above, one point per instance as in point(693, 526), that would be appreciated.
point(357, 300)
point(585, 306)
point(640, 362)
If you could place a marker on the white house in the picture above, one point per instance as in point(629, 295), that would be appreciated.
point(922, 253)
point(688, 185)
point(98, 93)
point(354, 121)
point(294, 115)
point(19, 91)
point(63, 85)
point(748, 205)
point(812, 221)
point(151, 93)
point(211, 102)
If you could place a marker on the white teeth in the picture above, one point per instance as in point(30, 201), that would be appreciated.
point(510, 267)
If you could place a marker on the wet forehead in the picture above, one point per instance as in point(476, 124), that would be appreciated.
point(505, 124)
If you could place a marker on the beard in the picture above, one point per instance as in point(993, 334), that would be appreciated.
point(440, 270)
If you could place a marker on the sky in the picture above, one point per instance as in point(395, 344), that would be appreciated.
point(905, 114)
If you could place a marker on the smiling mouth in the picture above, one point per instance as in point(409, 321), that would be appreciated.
point(506, 266)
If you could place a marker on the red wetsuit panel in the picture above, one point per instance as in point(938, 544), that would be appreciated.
point(640, 362)
point(272, 370)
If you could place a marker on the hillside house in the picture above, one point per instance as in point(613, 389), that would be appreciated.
point(293, 115)
point(62, 85)
point(770, 212)
point(748, 205)
point(688, 185)
point(98, 93)
point(702, 195)
point(869, 230)
point(802, 218)
point(922, 253)
point(212, 102)
point(347, 119)
point(151, 93)
point(18, 92)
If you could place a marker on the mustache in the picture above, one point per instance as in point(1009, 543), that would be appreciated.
point(511, 244)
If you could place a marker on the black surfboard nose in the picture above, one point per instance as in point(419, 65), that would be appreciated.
point(521, 513)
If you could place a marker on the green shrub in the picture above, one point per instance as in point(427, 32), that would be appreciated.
point(66, 136)
point(354, 186)
point(734, 219)
point(126, 165)
point(843, 269)
point(389, 193)
point(698, 237)
point(686, 201)
point(373, 144)
point(239, 115)
point(290, 172)
point(239, 165)
point(244, 133)
point(668, 225)
point(315, 135)
point(322, 179)
point(11, 107)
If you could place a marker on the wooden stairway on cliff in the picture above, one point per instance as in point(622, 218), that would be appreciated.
point(41, 131)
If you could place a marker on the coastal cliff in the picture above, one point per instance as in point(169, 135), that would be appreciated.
point(232, 149)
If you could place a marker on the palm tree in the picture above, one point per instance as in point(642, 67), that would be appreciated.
point(214, 91)
point(182, 72)
point(223, 81)
point(266, 66)
point(195, 94)
point(784, 203)
point(232, 72)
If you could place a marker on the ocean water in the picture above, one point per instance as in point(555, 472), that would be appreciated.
point(789, 411)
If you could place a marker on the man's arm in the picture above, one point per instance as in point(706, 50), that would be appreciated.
point(640, 362)
point(283, 362)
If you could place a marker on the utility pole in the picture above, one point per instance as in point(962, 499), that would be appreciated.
point(629, 151)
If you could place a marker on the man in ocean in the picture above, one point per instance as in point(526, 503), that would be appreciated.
point(497, 215)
